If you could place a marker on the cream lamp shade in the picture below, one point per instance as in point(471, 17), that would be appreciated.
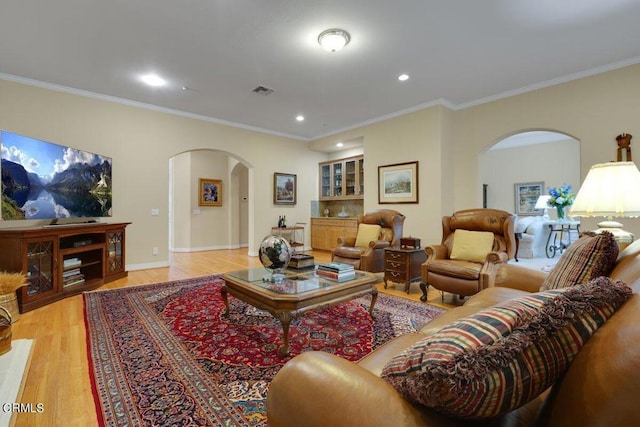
point(610, 190)
point(542, 204)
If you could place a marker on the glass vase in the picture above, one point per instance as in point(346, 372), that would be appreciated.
point(560, 212)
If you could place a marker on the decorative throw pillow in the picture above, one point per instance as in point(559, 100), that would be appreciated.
point(500, 358)
point(591, 256)
point(367, 233)
point(471, 245)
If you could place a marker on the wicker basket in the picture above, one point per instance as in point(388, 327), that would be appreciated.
point(5, 330)
point(10, 302)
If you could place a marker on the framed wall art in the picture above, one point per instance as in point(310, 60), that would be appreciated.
point(526, 196)
point(284, 189)
point(398, 183)
point(210, 192)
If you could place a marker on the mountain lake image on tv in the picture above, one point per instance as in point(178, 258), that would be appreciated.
point(43, 180)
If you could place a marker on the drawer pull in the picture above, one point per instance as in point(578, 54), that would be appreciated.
point(396, 256)
point(395, 274)
point(395, 264)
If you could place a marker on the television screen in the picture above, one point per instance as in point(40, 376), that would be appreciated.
point(42, 180)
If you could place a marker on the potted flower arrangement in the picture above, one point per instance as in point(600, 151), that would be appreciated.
point(561, 198)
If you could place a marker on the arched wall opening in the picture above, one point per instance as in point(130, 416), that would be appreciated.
point(530, 156)
point(194, 227)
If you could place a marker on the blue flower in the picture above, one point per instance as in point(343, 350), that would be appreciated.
point(561, 196)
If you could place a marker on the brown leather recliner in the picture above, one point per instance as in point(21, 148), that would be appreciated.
point(371, 257)
point(466, 278)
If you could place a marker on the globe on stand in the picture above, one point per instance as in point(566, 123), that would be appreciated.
point(275, 254)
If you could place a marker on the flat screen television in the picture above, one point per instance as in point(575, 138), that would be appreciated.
point(43, 180)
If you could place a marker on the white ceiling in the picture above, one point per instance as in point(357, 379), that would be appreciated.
point(457, 52)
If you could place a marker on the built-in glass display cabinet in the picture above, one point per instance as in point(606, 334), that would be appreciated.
point(342, 179)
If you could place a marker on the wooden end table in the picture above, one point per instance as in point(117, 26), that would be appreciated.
point(403, 265)
point(296, 294)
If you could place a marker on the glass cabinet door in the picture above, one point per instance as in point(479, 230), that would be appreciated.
point(337, 179)
point(40, 268)
point(325, 181)
point(350, 178)
point(361, 177)
point(115, 251)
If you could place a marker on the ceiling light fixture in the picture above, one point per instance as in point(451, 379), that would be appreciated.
point(339, 145)
point(153, 80)
point(403, 77)
point(300, 118)
point(334, 39)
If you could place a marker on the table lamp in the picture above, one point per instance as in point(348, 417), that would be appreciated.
point(542, 204)
point(610, 190)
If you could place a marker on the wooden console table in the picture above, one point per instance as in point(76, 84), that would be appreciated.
point(62, 260)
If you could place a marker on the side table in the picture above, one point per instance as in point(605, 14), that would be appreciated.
point(560, 229)
point(402, 265)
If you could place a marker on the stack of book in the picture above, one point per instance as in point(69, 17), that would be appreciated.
point(301, 261)
point(72, 276)
point(337, 271)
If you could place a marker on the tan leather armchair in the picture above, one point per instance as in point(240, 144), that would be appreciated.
point(466, 278)
point(371, 258)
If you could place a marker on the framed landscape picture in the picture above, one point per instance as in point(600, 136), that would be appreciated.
point(284, 189)
point(526, 196)
point(398, 183)
point(210, 192)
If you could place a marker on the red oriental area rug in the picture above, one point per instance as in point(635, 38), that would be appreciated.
point(163, 354)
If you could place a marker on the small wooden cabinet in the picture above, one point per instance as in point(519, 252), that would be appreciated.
point(325, 231)
point(342, 179)
point(60, 261)
point(403, 265)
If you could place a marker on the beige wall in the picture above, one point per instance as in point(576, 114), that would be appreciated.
point(141, 142)
point(448, 145)
point(593, 110)
point(412, 137)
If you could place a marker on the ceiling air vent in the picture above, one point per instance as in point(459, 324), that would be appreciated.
point(262, 90)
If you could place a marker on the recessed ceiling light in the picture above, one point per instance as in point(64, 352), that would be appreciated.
point(153, 80)
point(339, 144)
point(334, 39)
point(403, 77)
point(300, 118)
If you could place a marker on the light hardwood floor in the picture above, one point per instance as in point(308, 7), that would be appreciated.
point(58, 376)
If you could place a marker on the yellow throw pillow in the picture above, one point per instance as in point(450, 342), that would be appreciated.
point(471, 245)
point(367, 233)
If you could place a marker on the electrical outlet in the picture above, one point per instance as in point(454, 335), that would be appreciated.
point(154, 251)
point(155, 212)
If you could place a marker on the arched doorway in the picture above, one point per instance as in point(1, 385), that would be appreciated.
point(193, 227)
point(544, 156)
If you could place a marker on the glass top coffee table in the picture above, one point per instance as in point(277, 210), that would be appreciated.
point(296, 294)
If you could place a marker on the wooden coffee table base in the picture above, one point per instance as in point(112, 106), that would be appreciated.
point(285, 309)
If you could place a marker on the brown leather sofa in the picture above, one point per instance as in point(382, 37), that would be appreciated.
point(600, 388)
point(371, 258)
point(463, 277)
